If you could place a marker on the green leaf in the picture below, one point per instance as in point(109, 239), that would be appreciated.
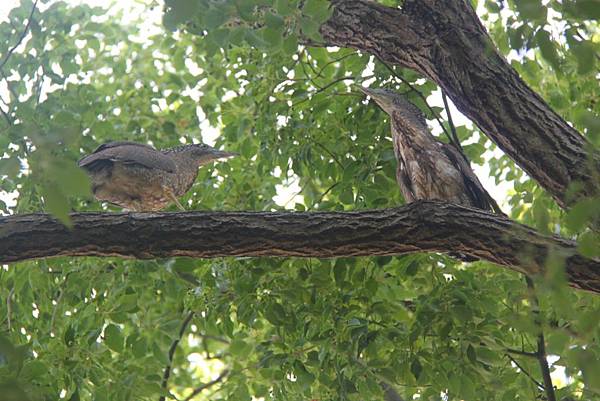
point(471, 354)
point(179, 12)
point(239, 347)
point(531, 9)
point(56, 203)
point(585, 54)
point(273, 37)
point(214, 18)
point(283, 7)
point(590, 365)
point(10, 166)
point(548, 49)
point(33, 370)
point(113, 338)
point(416, 368)
point(275, 314)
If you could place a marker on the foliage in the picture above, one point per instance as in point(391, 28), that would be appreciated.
point(286, 329)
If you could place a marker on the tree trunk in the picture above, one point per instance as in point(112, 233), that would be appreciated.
point(423, 226)
point(444, 41)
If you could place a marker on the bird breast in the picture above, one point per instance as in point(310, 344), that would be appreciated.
point(184, 177)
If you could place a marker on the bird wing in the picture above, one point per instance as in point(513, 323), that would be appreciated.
point(404, 180)
point(480, 197)
point(129, 153)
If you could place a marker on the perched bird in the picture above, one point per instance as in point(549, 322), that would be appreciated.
point(140, 178)
point(428, 168)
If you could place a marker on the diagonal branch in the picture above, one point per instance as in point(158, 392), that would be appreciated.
point(422, 226)
point(522, 369)
point(172, 350)
point(23, 34)
point(211, 383)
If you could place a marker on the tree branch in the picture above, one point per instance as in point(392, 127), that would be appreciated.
point(423, 226)
point(518, 365)
point(172, 350)
point(541, 342)
point(23, 34)
point(211, 383)
point(445, 42)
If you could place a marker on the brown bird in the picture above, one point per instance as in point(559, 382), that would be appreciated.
point(140, 178)
point(428, 168)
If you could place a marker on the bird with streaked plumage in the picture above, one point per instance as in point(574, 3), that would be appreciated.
point(139, 177)
point(428, 168)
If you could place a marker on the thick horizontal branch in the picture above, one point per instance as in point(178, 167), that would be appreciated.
point(444, 41)
point(424, 226)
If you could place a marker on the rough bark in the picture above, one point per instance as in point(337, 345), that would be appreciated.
point(444, 41)
point(423, 226)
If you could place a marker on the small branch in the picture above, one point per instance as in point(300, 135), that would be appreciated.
point(522, 353)
point(211, 383)
point(330, 153)
point(10, 89)
point(23, 34)
point(305, 72)
point(6, 116)
point(320, 72)
point(455, 140)
point(214, 338)
point(9, 308)
point(324, 88)
point(541, 343)
point(537, 383)
point(324, 194)
point(172, 350)
point(58, 300)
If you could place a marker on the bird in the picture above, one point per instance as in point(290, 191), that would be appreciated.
point(428, 169)
point(138, 177)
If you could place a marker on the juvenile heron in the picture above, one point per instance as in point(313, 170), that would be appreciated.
point(428, 168)
point(140, 178)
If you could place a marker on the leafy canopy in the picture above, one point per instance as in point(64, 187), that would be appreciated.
point(286, 329)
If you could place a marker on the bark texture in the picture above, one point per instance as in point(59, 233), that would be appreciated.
point(444, 41)
point(422, 226)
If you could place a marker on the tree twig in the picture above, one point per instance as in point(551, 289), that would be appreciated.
point(519, 352)
point(513, 360)
point(11, 90)
point(541, 343)
point(172, 350)
point(6, 116)
point(324, 88)
point(9, 308)
point(337, 60)
point(455, 141)
point(214, 338)
point(324, 194)
point(211, 383)
point(58, 300)
point(23, 34)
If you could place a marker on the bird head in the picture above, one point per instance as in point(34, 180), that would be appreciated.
point(204, 154)
point(386, 99)
point(391, 102)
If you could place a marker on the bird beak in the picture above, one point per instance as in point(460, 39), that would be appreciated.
point(364, 90)
point(221, 154)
